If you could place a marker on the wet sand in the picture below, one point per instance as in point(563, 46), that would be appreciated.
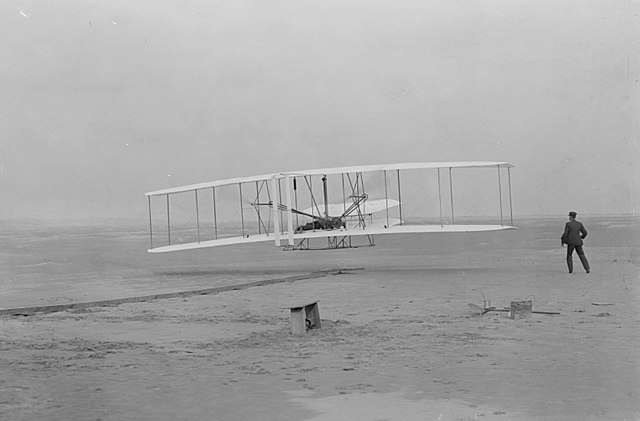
point(399, 339)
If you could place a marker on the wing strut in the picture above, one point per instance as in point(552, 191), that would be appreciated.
point(168, 221)
point(276, 214)
point(399, 198)
point(287, 195)
point(440, 198)
point(215, 214)
point(500, 195)
point(453, 221)
point(197, 215)
point(344, 195)
point(241, 209)
point(258, 209)
point(280, 201)
point(150, 222)
point(386, 196)
point(295, 193)
point(510, 203)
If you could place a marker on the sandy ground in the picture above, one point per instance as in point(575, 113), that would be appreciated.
point(399, 339)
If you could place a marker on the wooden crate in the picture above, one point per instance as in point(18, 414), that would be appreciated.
point(521, 308)
point(303, 317)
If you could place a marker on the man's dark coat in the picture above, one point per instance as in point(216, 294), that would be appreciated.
point(574, 233)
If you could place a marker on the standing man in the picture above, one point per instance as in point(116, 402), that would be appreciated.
point(574, 233)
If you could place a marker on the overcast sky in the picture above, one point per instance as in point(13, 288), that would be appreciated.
point(102, 101)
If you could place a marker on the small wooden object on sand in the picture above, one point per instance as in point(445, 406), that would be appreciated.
point(521, 308)
point(303, 317)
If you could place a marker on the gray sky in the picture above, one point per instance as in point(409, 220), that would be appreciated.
point(105, 100)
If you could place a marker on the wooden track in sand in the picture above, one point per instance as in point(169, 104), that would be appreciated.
point(28, 311)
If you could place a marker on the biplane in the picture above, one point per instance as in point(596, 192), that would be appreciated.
point(340, 207)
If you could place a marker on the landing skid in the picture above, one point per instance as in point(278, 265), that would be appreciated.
point(335, 242)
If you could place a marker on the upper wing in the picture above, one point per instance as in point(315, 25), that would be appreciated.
point(403, 167)
point(211, 184)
